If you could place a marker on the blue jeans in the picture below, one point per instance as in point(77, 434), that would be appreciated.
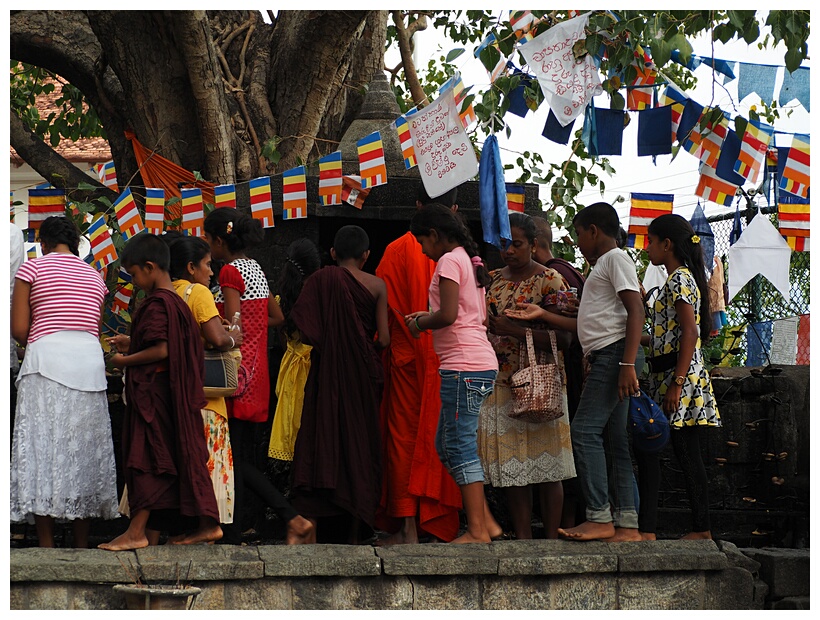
point(456, 437)
point(599, 430)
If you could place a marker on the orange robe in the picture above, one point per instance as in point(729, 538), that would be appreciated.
point(414, 481)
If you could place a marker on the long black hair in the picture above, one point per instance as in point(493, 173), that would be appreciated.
point(186, 250)
point(526, 224)
point(239, 230)
point(302, 260)
point(58, 229)
point(448, 225)
point(688, 251)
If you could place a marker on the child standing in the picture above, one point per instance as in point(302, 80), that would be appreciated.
point(165, 459)
point(609, 324)
point(468, 364)
point(680, 323)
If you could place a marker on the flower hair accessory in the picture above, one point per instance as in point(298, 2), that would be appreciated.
point(229, 228)
point(476, 261)
point(695, 239)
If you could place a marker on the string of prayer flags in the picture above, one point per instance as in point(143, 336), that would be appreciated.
point(225, 196)
point(490, 43)
point(795, 225)
point(757, 79)
point(640, 90)
point(796, 85)
point(122, 298)
point(261, 205)
point(677, 100)
point(102, 247)
point(515, 197)
point(712, 187)
point(753, 149)
point(554, 131)
point(371, 160)
point(43, 203)
point(154, 210)
point(352, 191)
point(107, 174)
point(128, 215)
point(521, 23)
point(643, 209)
point(603, 131)
point(712, 140)
point(465, 110)
point(193, 215)
point(796, 171)
point(729, 152)
point(330, 179)
point(654, 137)
point(294, 194)
point(406, 141)
point(689, 121)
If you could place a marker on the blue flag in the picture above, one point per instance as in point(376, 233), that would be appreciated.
point(737, 228)
point(492, 196)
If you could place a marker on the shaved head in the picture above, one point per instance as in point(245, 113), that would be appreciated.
point(544, 231)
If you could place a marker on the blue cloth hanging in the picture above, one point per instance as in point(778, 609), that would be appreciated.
point(758, 343)
point(655, 131)
point(729, 152)
point(554, 131)
point(707, 237)
point(492, 196)
point(737, 226)
point(758, 79)
point(606, 131)
point(518, 104)
point(796, 86)
point(688, 119)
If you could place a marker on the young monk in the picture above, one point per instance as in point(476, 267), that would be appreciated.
point(164, 452)
point(336, 461)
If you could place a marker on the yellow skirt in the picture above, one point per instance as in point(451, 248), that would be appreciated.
point(290, 396)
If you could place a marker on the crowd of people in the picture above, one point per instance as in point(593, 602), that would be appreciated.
point(393, 402)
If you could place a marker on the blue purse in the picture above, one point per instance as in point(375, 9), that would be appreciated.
point(650, 427)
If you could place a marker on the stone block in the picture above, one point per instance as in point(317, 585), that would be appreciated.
point(456, 592)
point(792, 602)
point(515, 593)
point(761, 593)
point(212, 596)
point(47, 596)
point(661, 590)
point(359, 593)
point(736, 558)
point(95, 565)
point(438, 559)
point(584, 592)
point(668, 555)
point(553, 557)
point(319, 560)
point(94, 596)
point(18, 594)
point(786, 571)
point(258, 594)
point(187, 563)
point(732, 588)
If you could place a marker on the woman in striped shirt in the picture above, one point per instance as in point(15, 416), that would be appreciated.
point(62, 454)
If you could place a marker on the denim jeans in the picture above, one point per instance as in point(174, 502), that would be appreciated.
point(599, 430)
point(462, 393)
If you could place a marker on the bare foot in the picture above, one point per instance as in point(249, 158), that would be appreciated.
point(469, 538)
point(399, 538)
point(707, 535)
point(206, 534)
point(125, 542)
point(588, 530)
point(175, 540)
point(648, 536)
point(623, 534)
point(301, 531)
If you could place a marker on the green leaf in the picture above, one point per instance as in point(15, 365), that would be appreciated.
point(793, 60)
point(454, 53)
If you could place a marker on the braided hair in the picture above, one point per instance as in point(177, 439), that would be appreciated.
point(58, 229)
point(302, 260)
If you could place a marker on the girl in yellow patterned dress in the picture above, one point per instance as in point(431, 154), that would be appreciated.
point(679, 382)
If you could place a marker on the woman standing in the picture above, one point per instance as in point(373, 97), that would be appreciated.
point(522, 457)
point(62, 454)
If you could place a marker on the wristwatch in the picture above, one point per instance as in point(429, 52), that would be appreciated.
point(680, 380)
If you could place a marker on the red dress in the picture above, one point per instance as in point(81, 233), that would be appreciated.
point(246, 276)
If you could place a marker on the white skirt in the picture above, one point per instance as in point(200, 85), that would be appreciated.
point(62, 454)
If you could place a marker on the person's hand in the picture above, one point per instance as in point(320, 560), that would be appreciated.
point(671, 400)
point(527, 312)
point(410, 322)
point(503, 326)
point(117, 360)
point(235, 333)
point(627, 382)
point(119, 343)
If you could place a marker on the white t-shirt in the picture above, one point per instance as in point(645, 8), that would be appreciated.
point(602, 315)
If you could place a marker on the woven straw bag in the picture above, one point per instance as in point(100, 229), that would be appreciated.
point(537, 389)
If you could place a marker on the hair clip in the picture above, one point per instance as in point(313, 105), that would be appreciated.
point(695, 239)
point(229, 228)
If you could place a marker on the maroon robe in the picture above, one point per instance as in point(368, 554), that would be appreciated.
point(164, 451)
point(337, 457)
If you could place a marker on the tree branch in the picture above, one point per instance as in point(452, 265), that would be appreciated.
point(404, 35)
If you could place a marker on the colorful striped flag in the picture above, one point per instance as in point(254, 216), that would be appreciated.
point(521, 23)
point(330, 179)
point(43, 203)
point(515, 197)
point(193, 214)
point(225, 196)
point(491, 41)
point(261, 205)
point(352, 191)
point(371, 160)
point(122, 298)
point(640, 90)
point(154, 210)
point(128, 216)
point(32, 250)
point(712, 187)
point(406, 140)
point(123, 277)
point(107, 174)
point(467, 115)
point(753, 149)
point(674, 97)
point(644, 209)
point(795, 177)
point(712, 141)
point(103, 251)
point(294, 194)
point(794, 223)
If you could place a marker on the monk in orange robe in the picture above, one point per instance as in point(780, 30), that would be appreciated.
point(417, 492)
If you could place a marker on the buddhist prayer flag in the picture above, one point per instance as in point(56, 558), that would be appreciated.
point(371, 160)
point(294, 194)
point(795, 177)
point(712, 140)
point(466, 114)
point(193, 216)
point(712, 187)
point(123, 277)
point(43, 203)
point(795, 225)
point(406, 140)
point(122, 298)
point(330, 179)
point(102, 247)
point(352, 191)
point(225, 196)
point(644, 209)
point(154, 210)
point(107, 174)
point(515, 197)
point(674, 97)
point(492, 42)
point(640, 91)
point(521, 23)
point(753, 149)
point(261, 205)
point(128, 216)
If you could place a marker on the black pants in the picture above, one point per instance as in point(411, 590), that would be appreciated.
point(247, 476)
point(649, 482)
point(686, 443)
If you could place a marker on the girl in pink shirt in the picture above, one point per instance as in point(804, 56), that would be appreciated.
point(467, 362)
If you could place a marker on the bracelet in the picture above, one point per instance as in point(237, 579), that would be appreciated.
point(418, 327)
point(624, 364)
point(233, 342)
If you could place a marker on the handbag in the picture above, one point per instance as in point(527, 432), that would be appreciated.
point(650, 426)
point(537, 389)
point(222, 368)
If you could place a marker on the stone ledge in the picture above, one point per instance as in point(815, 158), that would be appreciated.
point(668, 555)
point(553, 557)
point(319, 561)
point(88, 565)
point(171, 563)
point(438, 559)
point(786, 571)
